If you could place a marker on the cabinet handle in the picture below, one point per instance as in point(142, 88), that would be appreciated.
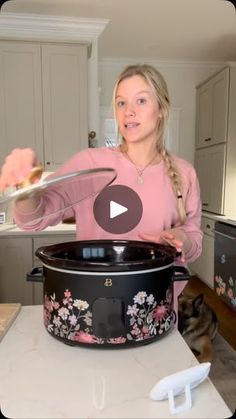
point(208, 226)
point(225, 235)
point(48, 163)
point(207, 139)
point(205, 204)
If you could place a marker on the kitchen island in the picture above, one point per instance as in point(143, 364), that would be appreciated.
point(41, 377)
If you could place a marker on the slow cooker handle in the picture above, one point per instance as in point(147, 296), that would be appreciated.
point(181, 273)
point(36, 275)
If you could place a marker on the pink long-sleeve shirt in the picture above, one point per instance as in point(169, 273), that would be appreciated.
point(159, 202)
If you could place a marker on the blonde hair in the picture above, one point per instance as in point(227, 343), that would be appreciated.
point(158, 84)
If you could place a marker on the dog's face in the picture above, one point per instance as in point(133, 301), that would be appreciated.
point(189, 311)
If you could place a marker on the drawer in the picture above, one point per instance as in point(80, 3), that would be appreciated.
point(208, 226)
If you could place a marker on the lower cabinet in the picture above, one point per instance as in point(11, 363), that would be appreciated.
point(203, 267)
point(17, 257)
point(210, 168)
point(15, 262)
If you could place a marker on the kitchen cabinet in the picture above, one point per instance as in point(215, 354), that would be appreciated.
point(43, 99)
point(15, 262)
point(17, 257)
point(203, 267)
point(210, 167)
point(215, 153)
point(212, 109)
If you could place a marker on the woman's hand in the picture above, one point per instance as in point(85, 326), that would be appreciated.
point(164, 237)
point(17, 168)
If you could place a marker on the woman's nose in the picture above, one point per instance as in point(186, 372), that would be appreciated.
point(130, 110)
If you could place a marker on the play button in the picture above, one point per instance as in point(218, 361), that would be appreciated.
point(118, 209)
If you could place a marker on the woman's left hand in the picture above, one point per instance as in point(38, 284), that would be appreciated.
point(164, 237)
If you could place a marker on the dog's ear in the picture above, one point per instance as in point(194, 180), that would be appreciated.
point(198, 301)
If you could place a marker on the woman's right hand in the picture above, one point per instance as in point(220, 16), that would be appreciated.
point(17, 167)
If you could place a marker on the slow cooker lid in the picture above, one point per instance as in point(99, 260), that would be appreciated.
point(72, 187)
point(107, 255)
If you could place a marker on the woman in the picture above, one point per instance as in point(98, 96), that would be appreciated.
point(166, 185)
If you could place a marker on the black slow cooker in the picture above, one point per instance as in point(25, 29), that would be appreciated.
point(108, 293)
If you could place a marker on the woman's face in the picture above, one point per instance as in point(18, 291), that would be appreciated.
point(137, 110)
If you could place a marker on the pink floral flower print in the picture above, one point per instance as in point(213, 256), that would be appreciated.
point(146, 318)
point(140, 297)
point(80, 304)
point(159, 313)
point(145, 330)
point(67, 318)
point(63, 312)
point(57, 321)
point(117, 341)
point(220, 285)
point(72, 319)
point(67, 293)
point(84, 337)
point(132, 310)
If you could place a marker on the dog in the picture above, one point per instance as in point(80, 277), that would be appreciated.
point(198, 324)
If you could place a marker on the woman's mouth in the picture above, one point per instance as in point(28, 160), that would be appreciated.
point(132, 125)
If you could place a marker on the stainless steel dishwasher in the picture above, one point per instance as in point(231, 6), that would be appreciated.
point(225, 262)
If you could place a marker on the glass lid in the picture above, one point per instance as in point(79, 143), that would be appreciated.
point(64, 191)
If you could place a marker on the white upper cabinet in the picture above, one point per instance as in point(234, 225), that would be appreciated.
point(64, 81)
point(21, 123)
point(43, 99)
point(212, 110)
point(215, 154)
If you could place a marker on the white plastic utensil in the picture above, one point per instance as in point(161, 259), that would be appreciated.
point(181, 382)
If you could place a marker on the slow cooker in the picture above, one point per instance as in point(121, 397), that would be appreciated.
point(108, 293)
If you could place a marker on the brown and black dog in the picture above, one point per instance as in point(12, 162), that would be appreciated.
point(198, 324)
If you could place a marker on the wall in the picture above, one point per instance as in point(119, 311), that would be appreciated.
point(182, 79)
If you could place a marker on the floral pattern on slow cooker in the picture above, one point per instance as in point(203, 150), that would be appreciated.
point(226, 289)
point(73, 319)
point(65, 320)
point(147, 318)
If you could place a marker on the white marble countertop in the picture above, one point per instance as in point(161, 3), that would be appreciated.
point(12, 229)
point(41, 377)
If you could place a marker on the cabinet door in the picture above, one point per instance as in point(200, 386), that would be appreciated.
point(204, 115)
point(206, 265)
point(210, 168)
point(220, 95)
point(64, 71)
point(212, 110)
point(203, 267)
point(20, 98)
point(15, 262)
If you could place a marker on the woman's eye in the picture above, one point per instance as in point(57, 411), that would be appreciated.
point(120, 103)
point(141, 101)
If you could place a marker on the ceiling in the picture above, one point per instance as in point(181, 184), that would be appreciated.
point(189, 30)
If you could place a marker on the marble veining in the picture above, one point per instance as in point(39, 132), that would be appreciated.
point(41, 377)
